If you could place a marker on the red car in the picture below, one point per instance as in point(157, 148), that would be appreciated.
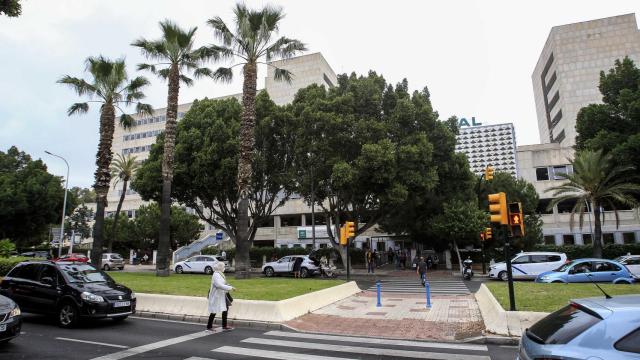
point(73, 258)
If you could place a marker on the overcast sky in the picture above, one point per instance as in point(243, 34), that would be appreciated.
point(476, 57)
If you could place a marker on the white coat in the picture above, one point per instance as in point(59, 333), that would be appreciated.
point(217, 294)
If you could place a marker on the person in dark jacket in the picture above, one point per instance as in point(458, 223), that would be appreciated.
point(296, 267)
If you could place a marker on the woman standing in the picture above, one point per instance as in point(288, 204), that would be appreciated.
point(218, 301)
point(296, 267)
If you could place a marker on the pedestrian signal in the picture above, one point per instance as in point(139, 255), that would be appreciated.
point(343, 236)
point(488, 233)
point(498, 208)
point(488, 173)
point(516, 219)
point(350, 229)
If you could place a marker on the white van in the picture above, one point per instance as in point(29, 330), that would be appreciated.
point(528, 265)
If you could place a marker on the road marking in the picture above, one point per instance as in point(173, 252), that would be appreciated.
point(156, 345)
point(166, 320)
point(92, 342)
point(366, 350)
point(198, 358)
point(377, 341)
point(267, 354)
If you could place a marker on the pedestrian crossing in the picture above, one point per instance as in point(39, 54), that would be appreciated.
point(437, 287)
point(283, 345)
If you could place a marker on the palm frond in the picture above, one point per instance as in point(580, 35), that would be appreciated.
point(149, 67)
point(155, 50)
point(284, 48)
point(127, 121)
point(145, 110)
point(164, 73)
point(80, 86)
point(137, 83)
point(282, 74)
point(223, 74)
point(186, 80)
point(78, 108)
point(202, 72)
point(221, 31)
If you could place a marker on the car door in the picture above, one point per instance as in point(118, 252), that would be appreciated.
point(189, 264)
point(282, 265)
point(605, 271)
point(579, 272)
point(537, 265)
point(209, 261)
point(520, 266)
point(23, 284)
point(46, 288)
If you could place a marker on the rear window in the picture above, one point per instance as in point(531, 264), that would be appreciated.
point(630, 343)
point(116, 256)
point(27, 272)
point(554, 258)
point(561, 326)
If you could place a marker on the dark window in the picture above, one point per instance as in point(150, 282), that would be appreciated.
point(552, 80)
point(560, 137)
point(603, 266)
point(27, 272)
point(268, 222)
point(320, 219)
point(554, 100)
point(542, 174)
point(568, 240)
point(587, 239)
point(629, 237)
point(549, 239)
point(290, 220)
point(630, 343)
point(50, 272)
point(583, 267)
point(566, 206)
point(556, 119)
point(607, 238)
point(538, 258)
point(326, 79)
point(553, 258)
point(323, 246)
point(522, 260)
point(561, 326)
point(543, 204)
point(559, 172)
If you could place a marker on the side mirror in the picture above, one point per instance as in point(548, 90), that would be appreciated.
point(47, 281)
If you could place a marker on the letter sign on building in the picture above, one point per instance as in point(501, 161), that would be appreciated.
point(465, 122)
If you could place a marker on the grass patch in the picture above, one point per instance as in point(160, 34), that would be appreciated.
point(532, 296)
point(272, 289)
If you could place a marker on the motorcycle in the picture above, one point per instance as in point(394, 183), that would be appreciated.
point(327, 270)
point(467, 272)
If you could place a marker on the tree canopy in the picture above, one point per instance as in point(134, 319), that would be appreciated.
point(10, 8)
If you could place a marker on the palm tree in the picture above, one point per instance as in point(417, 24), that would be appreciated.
point(595, 182)
point(122, 169)
point(110, 87)
point(175, 54)
point(250, 42)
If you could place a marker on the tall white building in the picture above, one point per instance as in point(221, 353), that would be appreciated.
point(485, 145)
point(567, 73)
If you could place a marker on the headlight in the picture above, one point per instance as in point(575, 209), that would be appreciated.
point(87, 296)
point(546, 277)
point(133, 295)
point(15, 312)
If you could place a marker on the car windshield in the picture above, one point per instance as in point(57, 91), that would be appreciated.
point(619, 258)
point(564, 267)
point(84, 274)
point(116, 256)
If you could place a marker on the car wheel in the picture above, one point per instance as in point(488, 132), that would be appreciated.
point(304, 273)
point(269, 272)
point(179, 269)
point(503, 276)
point(67, 315)
point(106, 267)
point(120, 318)
point(208, 270)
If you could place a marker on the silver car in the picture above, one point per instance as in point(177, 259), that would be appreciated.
point(112, 261)
point(593, 328)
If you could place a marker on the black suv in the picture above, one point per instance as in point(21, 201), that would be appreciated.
point(68, 290)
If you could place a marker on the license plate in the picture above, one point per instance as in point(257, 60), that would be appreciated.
point(122, 303)
point(3, 328)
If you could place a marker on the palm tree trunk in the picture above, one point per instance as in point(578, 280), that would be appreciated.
point(103, 179)
point(115, 220)
point(597, 229)
point(243, 243)
point(164, 244)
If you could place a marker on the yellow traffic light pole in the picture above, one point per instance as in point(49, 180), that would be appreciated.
point(499, 215)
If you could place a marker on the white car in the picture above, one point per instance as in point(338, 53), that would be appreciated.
point(201, 264)
point(528, 265)
point(285, 266)
point(632, 262)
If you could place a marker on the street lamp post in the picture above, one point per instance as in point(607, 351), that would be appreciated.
point(64, 203)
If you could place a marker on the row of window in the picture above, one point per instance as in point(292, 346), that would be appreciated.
point(130, 213)
point(155, 119)
point(137, 149)
point(142, 135)
point(587, 239)
point(553, 172)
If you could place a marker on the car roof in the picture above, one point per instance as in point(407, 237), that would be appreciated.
point(618, 303)
point(540, 253)
point(592, 259)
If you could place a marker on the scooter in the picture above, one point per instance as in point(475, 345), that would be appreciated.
point(467, 272)
point(326, 270)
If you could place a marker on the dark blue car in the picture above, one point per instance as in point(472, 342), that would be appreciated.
point(589, 270)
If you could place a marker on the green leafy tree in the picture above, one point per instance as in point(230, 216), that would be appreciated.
point(597, 182)
point(83, 195)
point(6, 248)
point(461, 222)
point(79, 221)
point(127, 233)
point(614, 126)
point(109, 86)
point(10, 8)
point(251, 41)
point(30, 197)
point(175, 58)
point(123, 169)
point(206, 163)
point(184, 227)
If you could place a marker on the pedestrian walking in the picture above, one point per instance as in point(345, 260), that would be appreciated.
point(375, 258)
point(429, 262)
point(296, 266)
point(390, 256)
point(370, 261)
point(219, 297)
point(403, 260)
point(436, 261)
point(224, 255)
point(421, 270)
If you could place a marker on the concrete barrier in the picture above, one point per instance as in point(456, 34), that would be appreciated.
point(248, 310)
point(501, 322)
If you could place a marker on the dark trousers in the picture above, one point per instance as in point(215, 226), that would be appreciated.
point(212, 316)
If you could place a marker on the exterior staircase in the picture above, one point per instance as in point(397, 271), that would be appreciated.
point(196, 247)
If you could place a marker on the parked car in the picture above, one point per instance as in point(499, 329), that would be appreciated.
point(593, 328)
point(70, 291)
point(632, 262)
point(10, 319)
point(284, 265)
point(201, 264)
point(588, 270)
point(73, 258)
point(37, 254)
point(528, 265)
point(112, 261)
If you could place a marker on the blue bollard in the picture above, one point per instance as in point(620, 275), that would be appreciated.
point(378, 286)
point(428, 293)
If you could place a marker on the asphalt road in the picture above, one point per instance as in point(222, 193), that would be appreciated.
point(138, 338)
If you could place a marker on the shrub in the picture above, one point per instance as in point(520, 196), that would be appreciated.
point(256, 254)
point(6, 247)
point(6, 264)
point(585, 251)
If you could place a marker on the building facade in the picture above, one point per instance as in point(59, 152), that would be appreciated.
point(541, 165)
point(567, 73)
point(485, 145)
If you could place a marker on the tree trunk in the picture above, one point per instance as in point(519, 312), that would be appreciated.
point(164, 243)
point(597, 229)
point(103, 179)
point(247, 139)
point(115, 220)
point(455, 247)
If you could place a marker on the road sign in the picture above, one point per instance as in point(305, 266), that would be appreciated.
point(302, 233)
point(219, 235)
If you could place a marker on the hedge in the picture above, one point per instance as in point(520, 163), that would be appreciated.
point(610, 251)
point(256, 254)
point(6, 264)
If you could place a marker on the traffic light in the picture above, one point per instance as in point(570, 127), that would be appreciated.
point(488, 233)
point(343, 236)
point(516, 219)
point(488, 173)
point(498, 208)
point(350, 229)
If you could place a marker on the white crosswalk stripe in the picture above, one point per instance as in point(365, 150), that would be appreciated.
point(437, 287)
point(270, 346)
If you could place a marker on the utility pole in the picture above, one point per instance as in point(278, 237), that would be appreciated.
point(64, 203)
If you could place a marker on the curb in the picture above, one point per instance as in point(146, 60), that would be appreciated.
point(492, 340)
point(257, 325)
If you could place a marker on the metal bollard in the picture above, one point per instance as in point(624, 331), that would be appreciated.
point(378, 286)
point(428, 293)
